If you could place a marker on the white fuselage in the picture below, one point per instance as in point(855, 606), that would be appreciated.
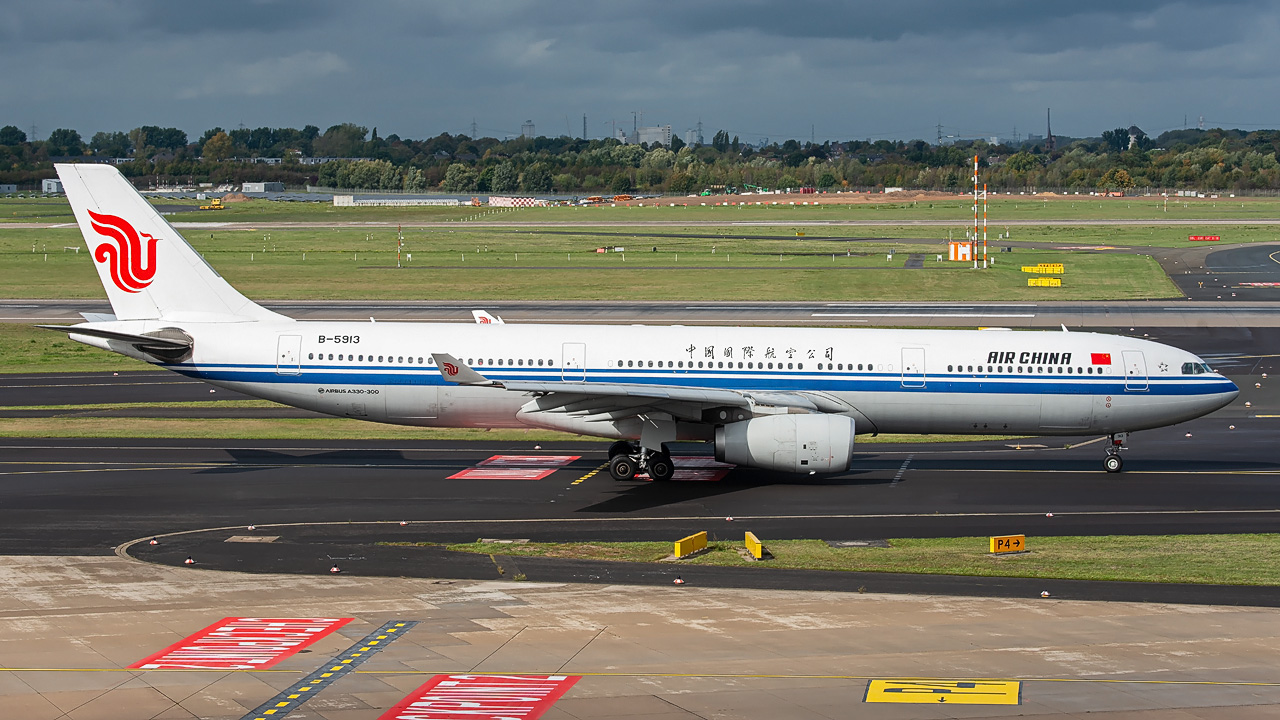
point(899, 381)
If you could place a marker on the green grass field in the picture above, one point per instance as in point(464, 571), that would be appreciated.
point(959, 209)
point(467, 264)
point(1219, 559)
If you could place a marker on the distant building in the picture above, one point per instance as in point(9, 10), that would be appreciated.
point(50, 185)
point(526, 129)
point(323, 160)
point(691, 137)
point(8, 188)
point(262, 187)
point(650, 135)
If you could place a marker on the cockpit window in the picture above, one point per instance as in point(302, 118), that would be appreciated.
point(1195, 368)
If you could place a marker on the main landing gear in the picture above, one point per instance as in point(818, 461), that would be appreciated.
point(1113, 462)
point(626, 461)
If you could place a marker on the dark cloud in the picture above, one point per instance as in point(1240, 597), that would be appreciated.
point(850, 69)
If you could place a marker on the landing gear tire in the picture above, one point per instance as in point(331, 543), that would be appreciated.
point(1112, 462)
point(622, 447)
point(622, 468)
point(661, 469)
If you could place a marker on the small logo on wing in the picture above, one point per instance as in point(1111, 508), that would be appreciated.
point(131, 263)
point(484, 320)
point(449, 369)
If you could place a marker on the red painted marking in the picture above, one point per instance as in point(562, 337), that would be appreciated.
point(698, 461)
point(1100, 358)
point(502, 473)
point(1259, 284)
point(241, 644)
point(482, 697)
point(528, 460)
point(1204, 238)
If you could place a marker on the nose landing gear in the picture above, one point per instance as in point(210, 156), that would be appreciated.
point(1113, 463)
point(625, 461)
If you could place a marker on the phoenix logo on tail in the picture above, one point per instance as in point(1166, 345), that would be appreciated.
point(132, 265)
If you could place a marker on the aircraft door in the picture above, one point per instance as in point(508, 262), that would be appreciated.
point(289, 355)
point(913, 367)
point(1135, 371)
point(573, 366)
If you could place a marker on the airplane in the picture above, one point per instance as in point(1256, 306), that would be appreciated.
point(781, 399)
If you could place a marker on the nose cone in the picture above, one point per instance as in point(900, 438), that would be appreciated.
point(1229, 392)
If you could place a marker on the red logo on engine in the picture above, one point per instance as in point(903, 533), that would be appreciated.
point(132, 264)
point(450, 369)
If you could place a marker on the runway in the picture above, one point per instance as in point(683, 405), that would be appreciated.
point(1230, 312)
point(533, 222)
point(86, 496)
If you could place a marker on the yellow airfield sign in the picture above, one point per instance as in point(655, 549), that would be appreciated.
point(950, 692)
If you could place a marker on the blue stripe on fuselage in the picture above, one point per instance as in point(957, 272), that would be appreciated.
point(724, 379)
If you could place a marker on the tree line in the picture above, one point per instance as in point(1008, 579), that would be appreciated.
point(1121, 158)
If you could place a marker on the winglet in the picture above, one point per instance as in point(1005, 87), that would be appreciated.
point(453, 370)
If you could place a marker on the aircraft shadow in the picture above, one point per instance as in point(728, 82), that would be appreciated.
point(638, 496)
point(255, 460)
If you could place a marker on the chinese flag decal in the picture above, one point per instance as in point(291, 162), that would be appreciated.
point(1100, 358)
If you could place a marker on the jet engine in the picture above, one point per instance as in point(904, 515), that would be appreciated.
point(789, 443)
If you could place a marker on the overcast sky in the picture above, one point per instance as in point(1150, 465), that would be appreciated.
point(845, 69)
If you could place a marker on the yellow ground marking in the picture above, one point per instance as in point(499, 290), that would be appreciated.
point(590, 475)
point(952, 692)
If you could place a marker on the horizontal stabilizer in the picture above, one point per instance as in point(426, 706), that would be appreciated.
point(166, 339)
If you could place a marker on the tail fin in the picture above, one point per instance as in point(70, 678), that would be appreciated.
point(147, 268)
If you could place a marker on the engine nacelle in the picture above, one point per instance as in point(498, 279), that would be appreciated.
point(789, 443)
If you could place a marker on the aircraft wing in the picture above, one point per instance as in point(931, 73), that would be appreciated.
point(613, 401)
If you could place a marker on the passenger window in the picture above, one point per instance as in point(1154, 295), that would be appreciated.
point(840, 366)
point(631, 363)
point(650, 363)
point(859, 366)
point(799, 366)
point(311, 356)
